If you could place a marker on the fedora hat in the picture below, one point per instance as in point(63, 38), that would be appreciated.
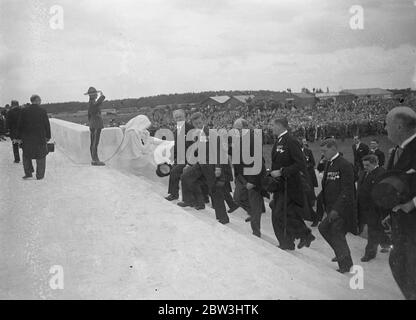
point(391, 189)
point(91, 90)
point(163, 170)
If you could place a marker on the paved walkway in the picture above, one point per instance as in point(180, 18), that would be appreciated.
point(116, 237)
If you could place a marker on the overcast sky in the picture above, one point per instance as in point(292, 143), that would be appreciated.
point(134, 48)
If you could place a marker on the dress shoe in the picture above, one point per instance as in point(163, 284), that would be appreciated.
point(368, 257)
point(27, 177)
point(345, 265)
point(16, 161)
point(306, 242)
point(185, 204)
point(290, 247)
point(232, 209)
point(315, 224)
point(334, 259)
point(172, 197)
point(224, 221)
point(200, 207)
point(98, 163)
point(248, 219)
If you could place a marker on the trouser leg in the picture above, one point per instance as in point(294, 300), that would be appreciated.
point(27, 166)
point(174, 178)
point(16, 152)
point(241, 196)
point(218, 201)
point(374, 238)
point(40, 168)
point(334, 233)
point(256, 209)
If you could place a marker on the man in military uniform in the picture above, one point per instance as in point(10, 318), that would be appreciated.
point(401, 129)
point(338, 196)
point(96, 123)
point(288, 162)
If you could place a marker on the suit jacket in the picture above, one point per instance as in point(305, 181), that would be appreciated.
point(12, 119)
point(359, 153)
point(187, 126)
point(34, 130)
point(288, 157)
point(94, 113)
point(380, 155)
point(368, 212)
point(404, 224)
point(239, 168)
point(310, 167)
point(338, 191)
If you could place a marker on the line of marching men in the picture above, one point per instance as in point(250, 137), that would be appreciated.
point(291, 181)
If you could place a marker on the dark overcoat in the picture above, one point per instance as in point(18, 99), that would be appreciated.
point(34, 130)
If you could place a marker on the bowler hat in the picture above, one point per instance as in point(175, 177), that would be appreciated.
point(163, 170)
point(91, 90)
point(391, 189)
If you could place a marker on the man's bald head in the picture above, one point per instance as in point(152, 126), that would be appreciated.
point(241, 124)
point(400, 124)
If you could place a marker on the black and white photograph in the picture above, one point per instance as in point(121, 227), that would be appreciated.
point(207, 155)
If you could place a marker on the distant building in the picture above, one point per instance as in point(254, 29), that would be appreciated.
point(216, 101)
point(370, 93)
point(237, 101)
point(335, 96)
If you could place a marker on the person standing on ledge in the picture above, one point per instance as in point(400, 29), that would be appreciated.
point(34, 130)
point(95, 122)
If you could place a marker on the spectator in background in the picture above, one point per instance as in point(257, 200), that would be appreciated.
point(34, 131)
point(375, 150)
point(12, 119)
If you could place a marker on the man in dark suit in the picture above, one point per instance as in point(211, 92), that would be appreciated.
point(375, 150)
point(401, 129)
point(310, 195)
point(288, 162)
point(338, 193)
point(33, 129)
point(359, 150)
point(12, 118)
point(248, 188)
point(182, 129)
point(196, 172)
point(368, 212)
point(95, 122)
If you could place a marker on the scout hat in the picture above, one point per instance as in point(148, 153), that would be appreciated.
point(90, 91)
point(163, 170)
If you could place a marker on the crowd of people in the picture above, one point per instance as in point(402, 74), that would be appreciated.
point(327, 118)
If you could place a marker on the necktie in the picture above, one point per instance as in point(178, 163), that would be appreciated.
point(398, 152)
